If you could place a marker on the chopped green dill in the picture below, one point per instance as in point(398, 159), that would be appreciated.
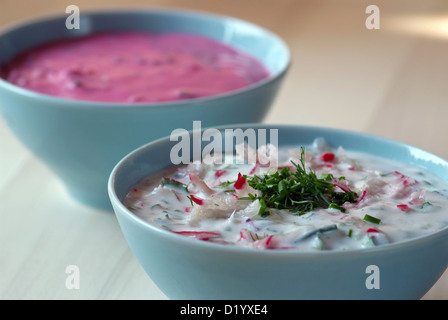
point(299, 191)
point(426, 203)
point(174, 183)
point(263, 212)
point(225, 184)
point(326, 176)
point(191, 201)
point(230, 166)
point(158, 205)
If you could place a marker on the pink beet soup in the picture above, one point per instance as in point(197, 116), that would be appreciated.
point(134, 67)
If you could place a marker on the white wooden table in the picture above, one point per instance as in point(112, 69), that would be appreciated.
point(390, 81)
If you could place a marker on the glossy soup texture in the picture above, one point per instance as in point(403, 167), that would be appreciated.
point(380, 201)
point(134, 67)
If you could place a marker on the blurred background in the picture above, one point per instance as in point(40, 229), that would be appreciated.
point(391, 81)
point(343, 74)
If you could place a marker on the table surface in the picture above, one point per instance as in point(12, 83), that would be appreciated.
point(389, 81)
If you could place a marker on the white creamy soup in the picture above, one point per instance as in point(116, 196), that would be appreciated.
point(305, 198)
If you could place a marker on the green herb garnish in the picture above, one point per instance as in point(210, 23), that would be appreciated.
point(191, 201)
point(299, 192)
point(174, 183)
point(226, 184)
point(372, 219)
point(426, 203)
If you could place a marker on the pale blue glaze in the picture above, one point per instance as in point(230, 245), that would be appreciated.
point(184, 268)
point(81, 141)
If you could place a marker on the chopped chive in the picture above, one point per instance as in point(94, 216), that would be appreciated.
point(349, 234)
point(336, 206)
point(372, 219)
point(316, 232)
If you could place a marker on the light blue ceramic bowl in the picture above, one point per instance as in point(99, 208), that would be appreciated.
point(82, 141)
point(185, 268)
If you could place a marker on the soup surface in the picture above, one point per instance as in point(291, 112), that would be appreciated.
point(134, 67)
point(298, 198)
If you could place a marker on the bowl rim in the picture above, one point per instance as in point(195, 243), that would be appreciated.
point(121, 210)
point(273, 77)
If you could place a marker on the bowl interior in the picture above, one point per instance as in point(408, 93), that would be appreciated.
point(261, 43)
point(154, 156)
